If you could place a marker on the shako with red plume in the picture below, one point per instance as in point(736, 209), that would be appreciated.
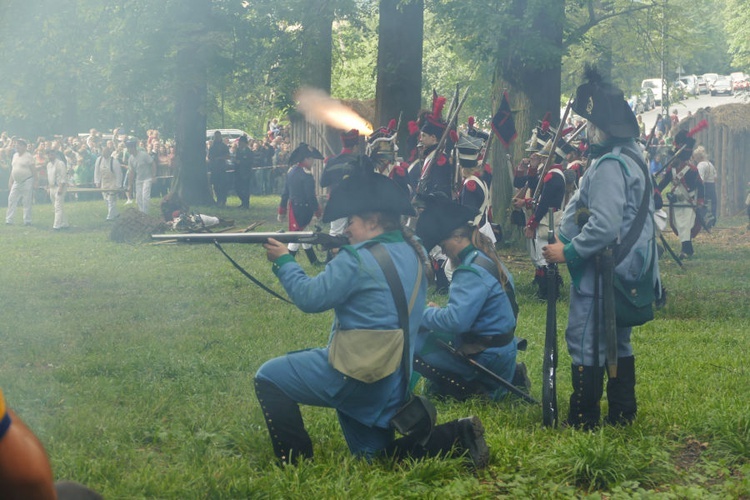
point(434, 123)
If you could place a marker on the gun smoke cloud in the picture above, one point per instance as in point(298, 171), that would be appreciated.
point(317, 105)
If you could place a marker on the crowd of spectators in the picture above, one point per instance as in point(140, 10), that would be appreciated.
point(80, 153)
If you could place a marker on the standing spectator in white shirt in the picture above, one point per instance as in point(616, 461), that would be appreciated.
point(57, 179)
point(708, 174)
point(108, 175)
point(142, 170)
point(22, 179)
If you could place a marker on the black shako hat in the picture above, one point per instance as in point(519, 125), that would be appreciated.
point(434, 123)
point(468, 150)
point(440, 217)
point(304, 151)
point(682, 138)
point(366, 192)
point(604, 105)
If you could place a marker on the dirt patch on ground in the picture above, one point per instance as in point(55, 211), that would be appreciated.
point(689, 454)
point(729, 237)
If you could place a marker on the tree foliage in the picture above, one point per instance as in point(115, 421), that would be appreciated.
point(69, 65)
point(737, 15)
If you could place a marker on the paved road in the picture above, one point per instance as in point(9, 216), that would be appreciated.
point(692, 104)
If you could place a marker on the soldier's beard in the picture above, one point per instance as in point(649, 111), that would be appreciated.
point(595, 134)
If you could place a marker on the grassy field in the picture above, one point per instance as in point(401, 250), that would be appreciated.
point(134, 364)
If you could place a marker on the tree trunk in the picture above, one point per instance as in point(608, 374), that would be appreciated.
point(399, 72)
point(190, 128)
point(533, 90)
point(317, 55)
point(317, 47)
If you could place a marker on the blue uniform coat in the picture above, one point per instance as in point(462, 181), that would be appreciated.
point(610, 194)
point(477, 304)
point(354, 286)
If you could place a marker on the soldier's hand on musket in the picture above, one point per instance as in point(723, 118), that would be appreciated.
point(553, 252)
point(519, 202)
point(529, 232)
point(274, 249)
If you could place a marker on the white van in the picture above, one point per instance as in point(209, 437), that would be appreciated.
point(691, 84)
point(656, 85)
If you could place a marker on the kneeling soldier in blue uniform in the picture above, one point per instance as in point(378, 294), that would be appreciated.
point(355, 285)
point(480, 318)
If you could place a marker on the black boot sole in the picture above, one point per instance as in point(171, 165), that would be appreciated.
point(471, 438)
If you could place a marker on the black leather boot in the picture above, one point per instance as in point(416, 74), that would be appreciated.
point(588, 385)
point(621, 394)
point(456, 438)
point(687, 249)
point(290, 440)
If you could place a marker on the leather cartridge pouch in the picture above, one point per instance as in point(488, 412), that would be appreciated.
point(634, 300)
point(416, 418)
point(366, 355)
point(372, 355)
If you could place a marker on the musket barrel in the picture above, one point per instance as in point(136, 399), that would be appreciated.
point(311, 237)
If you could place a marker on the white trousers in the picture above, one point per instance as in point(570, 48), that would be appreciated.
point(20, 190)
point(143, 194)
point(338, 226)
point(57, 201)
point(294, 247)
point(111, 200)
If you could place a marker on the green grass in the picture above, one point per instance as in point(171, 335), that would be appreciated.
point(134, 365)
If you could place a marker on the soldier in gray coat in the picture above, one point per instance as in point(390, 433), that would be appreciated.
point(600, 214)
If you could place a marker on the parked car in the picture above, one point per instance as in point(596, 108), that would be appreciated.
point(656, 85)
point(702, 85)
point(710, 78)
point(691, 84)
point(232, 134)
point(740, 81)
point(677, 91)
point(722, 85)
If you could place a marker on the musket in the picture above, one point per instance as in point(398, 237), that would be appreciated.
point(700, 126)
point(668, 162)
point(497, 378)
point(325, 240)
point(551, 158)
point(441, 145)
point(549, 364)
point(670, 251)
point(575, 134)
point(651, 136)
